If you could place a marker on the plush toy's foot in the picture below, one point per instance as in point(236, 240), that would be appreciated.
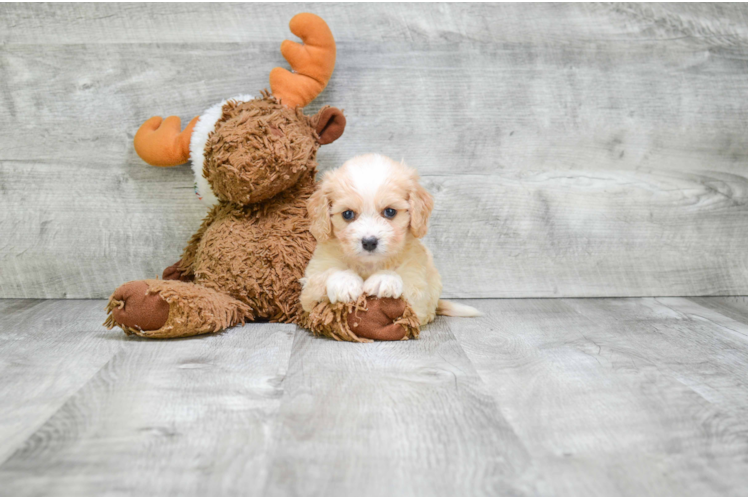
point(167, 309)
point(368, 319)
point(133, 308)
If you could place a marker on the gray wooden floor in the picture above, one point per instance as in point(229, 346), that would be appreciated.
point(540, 396)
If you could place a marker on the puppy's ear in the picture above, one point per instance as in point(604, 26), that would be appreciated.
point(318, 207)
point(421, 205)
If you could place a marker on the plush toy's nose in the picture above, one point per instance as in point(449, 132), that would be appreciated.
point(369, 243)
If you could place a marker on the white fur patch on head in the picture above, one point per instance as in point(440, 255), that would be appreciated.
point(368, 173)
point(204, 126)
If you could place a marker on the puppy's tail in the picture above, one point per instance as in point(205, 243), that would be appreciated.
point(447, 308)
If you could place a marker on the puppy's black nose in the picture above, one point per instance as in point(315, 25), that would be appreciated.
point(369, 243)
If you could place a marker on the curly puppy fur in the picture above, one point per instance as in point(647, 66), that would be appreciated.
point(368, 217)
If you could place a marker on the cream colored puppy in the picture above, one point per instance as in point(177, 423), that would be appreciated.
point(368, 217)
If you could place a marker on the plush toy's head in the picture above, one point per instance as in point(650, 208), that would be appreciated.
point(260, 148)
point(247, 150)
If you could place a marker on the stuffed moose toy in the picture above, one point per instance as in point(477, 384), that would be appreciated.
point(255, 165)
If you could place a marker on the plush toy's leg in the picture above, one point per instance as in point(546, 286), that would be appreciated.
point(166, 309)
point(368, 319)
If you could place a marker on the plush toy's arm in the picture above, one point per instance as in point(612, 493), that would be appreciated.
point(174, 273)
point(367, 319)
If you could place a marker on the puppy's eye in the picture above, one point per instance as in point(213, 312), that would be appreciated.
point(389, 213)
point(348, 214)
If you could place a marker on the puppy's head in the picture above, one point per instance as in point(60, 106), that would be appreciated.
point(369, 204)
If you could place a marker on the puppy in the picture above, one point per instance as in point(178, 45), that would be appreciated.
point(368, 217)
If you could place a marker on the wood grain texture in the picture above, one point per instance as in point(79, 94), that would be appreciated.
point(732, 307)
point(397, 418)
point(186, 417)
point(400, 22)
point(538, 397)
point(619, 396)
point(48, 351)
point(574, 150)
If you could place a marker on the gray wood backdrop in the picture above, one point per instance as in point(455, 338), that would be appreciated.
point(573, 150)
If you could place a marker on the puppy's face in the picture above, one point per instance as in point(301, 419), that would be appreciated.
point(369, 204)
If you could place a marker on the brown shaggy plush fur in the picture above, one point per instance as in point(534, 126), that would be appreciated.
point(367, 319)
point(259, 148)
point(256, 253)
point(247, 257)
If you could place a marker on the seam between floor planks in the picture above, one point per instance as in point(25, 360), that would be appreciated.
point(671, 342)
point(226, 380)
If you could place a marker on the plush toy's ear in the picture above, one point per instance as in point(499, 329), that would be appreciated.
point(421, 205)
point(318, 207)
point(330, 125)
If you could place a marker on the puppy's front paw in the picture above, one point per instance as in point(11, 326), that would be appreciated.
point(384, 284)
point(344, 286)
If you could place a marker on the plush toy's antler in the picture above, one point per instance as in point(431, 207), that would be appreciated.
point(312, 62)
point(161, 144)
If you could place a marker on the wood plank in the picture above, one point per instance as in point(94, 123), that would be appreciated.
point(429, 89)
point(580, 150)
point(246, 23)
point(179, 417)
point(714, 361)
point(617, 396)
point(505, 236)
point(731, 307)
point(615, 234)
point(48, 351)
point(400, 418)
point(87, 244)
